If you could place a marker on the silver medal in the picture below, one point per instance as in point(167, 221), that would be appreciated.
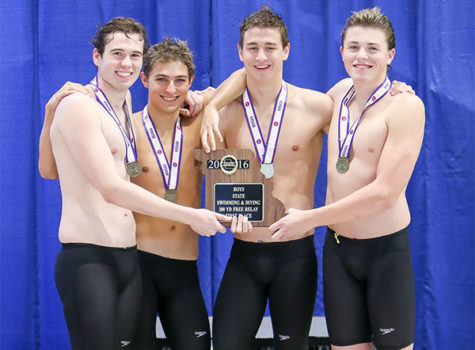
point(268, 170)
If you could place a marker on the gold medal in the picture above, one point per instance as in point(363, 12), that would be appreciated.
point(342, 164)
point(133, 169)
point(171, 195)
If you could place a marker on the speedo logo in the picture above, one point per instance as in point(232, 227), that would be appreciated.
point(284, 337)
point(385, 331)
point(199, 334)
point(124, 343)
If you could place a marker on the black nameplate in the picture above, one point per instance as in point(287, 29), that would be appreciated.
point(240, 198)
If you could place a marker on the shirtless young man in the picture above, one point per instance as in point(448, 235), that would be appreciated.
point(168, 250)
point(260, 269)
point(368, 277)
point(96, 270)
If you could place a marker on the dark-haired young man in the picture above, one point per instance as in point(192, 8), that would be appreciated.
point(96, 270)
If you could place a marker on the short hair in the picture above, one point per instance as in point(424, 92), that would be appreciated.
point(119, 25)
point(170, 49)
point(264, 18)
point(371, 18)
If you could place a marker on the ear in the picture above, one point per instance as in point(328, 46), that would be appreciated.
point(144, 79)
point(391, 54)
point(286, 51)
point(341, 52)
point(96, 57)
point(191, 80)
point(240, 52)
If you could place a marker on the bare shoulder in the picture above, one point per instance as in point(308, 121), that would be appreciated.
point(75, 108)
point(340, 88)
point(311, 102)
point(406, 107)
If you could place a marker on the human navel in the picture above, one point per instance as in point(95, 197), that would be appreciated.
point(173, 228)
point(295, 148)
point(114, 150)
point(370, 150)
point(145, 169)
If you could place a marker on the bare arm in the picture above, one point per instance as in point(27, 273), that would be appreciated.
point(397, 161)
point(229, 90)
point(46, 161)
point(77, 124)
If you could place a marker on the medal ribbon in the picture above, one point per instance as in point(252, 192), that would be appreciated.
point(170, 171)
point(345, 133)
point(130, 146)
point(265, 152)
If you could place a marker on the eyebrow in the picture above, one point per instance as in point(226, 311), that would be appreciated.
point(265, 44)
point(122, 50)
point(159, 75)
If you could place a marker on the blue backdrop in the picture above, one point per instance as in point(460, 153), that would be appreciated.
point(46, 42)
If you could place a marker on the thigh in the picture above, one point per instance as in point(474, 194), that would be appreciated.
point(183, 313)
point(88, 292)
point(129, 301)
point(344, 299)
point(292, 300)
point(238, 310)
point(145, 335)
point(391, 300)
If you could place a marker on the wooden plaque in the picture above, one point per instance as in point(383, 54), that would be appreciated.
point(235, 185)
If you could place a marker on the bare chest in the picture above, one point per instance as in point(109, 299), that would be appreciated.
point(367, 139)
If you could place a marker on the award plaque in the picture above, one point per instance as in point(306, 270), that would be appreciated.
point(235, 185)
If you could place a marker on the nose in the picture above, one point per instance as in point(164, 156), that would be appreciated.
point(126, 61)
point(171, 88)
point(362, 53)
point(261, 55)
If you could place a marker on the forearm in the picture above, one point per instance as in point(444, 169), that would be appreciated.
point(367, 201)
point(46, 161)
point(130, 196)
point(229, 90)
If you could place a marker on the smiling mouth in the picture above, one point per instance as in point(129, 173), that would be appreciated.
point(262, 67)
point(362, 66)
point(124, 74)
point(169, 99)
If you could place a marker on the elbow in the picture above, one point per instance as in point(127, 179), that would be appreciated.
point(385, 200)
point(110, 192)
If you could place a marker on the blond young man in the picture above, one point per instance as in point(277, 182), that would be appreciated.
point(368, 277)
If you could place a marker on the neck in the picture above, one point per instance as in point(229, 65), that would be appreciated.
point(364, 90)
point(263, 94)
point(164, 122)
point(115, 96)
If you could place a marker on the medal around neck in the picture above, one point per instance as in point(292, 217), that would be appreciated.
point(133, 169)
point(342, 164)
point(171, 195)
point(267, 169)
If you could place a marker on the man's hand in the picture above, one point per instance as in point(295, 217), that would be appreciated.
point(210, 129)
point(240, 224)
point(194, 102)
point(294, 225)
point(207, 223)
point(399, 87)
point(67, 89)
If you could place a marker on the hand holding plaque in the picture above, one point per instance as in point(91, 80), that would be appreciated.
point(235, 185)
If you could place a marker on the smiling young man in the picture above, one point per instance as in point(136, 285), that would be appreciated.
point(168, 250)
point(373, 145)
point(260, 269)
point(96, 271)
